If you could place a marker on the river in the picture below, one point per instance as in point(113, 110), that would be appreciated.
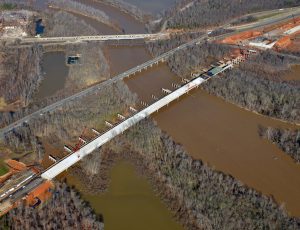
point(126, 22)
point(212, 130)
point(219, 133)
point(130, 202)
point(55, 74)
point(153, 6)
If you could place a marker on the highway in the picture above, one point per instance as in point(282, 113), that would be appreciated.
point(283, 15)
point(97, 87)
point(136, 69)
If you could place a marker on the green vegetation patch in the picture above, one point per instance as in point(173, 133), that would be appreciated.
point(3, 169)
point(7, 6)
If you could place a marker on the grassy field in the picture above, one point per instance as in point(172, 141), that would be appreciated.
point(3, 168)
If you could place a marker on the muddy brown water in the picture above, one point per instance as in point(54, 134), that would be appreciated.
point(123, 58)
point(214, 131)
point(129, 203)
point(153, 6)
point(126, 22)
point(221, 134)
point(102, 28)
point(56, 71)
point(147, 83)
point(226, 137)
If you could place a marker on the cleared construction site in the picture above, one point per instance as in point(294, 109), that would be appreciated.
point(281, 36)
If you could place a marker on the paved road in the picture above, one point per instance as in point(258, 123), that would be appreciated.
point(287, 14)
point(96, 87)
point(121, 76)
point(92, 38)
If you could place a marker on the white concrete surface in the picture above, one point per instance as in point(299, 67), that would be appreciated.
point(95, 38)
point(293, 30)
point(120, 128)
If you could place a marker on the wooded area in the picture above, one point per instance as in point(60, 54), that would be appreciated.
point(65, 210)
point(258, 84)
point(20, 72)
point(287, 140)
point(205, 13)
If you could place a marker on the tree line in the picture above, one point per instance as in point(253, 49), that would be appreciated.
point(287, 140)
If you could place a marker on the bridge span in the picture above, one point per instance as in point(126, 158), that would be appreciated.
point(87, 148)
point(14, 194)
point(161, 58)
point(95, 38)
point(73, 158)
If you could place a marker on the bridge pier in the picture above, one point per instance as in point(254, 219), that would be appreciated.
point(144, 103)
point(96, 132)
point(121, 117)
point(166, 91)
point(108, 124)
point(66, 148)
point(132, 109)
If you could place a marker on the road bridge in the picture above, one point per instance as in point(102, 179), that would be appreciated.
point(160, 58)
point(29, 182)
point(87, 149)
point(125, 124)
point(97, 87)
point(118, 37)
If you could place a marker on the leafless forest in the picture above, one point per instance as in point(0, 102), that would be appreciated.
point(287, 140)
point(204, 13)
point(65, 210)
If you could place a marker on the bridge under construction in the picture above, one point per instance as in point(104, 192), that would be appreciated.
point(119, 37)
point(28, 184)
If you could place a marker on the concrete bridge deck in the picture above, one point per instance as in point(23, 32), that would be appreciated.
point(73, 158)
point(94, 38)
point(99, 86)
